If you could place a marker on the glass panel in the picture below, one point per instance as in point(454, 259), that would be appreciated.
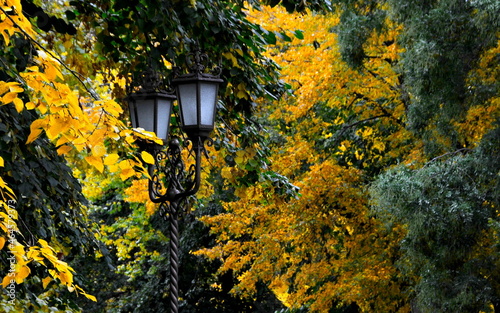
point(208, 95)
point(187, 100)
point(131, 107)
point(145, 113)
point(163, 117)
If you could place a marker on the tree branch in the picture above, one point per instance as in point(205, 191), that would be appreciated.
point(452, 153)
point(75, 74)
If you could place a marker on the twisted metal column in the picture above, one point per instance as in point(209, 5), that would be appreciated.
point(174, 257)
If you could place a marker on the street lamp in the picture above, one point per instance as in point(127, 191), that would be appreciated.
point(150, 107)
point(171, 183)
point(197, 94)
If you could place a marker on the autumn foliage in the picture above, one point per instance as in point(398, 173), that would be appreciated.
point(354, 166)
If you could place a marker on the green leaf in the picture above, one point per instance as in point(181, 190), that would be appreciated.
point(284, 37)
point(299, 34)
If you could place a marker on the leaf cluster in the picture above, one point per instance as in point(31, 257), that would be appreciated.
point(442, 41)
point(449, 209)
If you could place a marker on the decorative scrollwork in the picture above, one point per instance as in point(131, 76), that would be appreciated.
point(172, 179)
point(197, 63)
point(216, 71)
point(149, 80)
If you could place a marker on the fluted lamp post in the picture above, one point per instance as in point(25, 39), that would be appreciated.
point(171, 181)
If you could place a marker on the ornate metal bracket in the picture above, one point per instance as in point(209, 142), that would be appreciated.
point(170, 180)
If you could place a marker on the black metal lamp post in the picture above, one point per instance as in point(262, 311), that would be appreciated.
point(171, 182)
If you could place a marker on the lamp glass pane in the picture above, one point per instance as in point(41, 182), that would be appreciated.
point(163, 117)
point(208, 95)
point(146, 114)
point(187, 98)
point(131, 107)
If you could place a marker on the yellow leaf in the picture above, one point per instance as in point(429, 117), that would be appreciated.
point(367, 132)
point(379, 145)
point(66, 278)
point(141, 133)
point(96, 162)
point(227, 173)
point(113, 108)
point(3, 185)
point(7, 280)
point(43, 243)
point(113, 168)
point(46, 281)
point(67, 44)
point(36, 129)
point(3, 87)
point(98, 151)
point(34, 134)
point(239, 51)
point(57, 126)
point(111, 159)
point(51, 71)
point(62, 140)
point(338, 121)
point(230, 56)
point(79, 140)
point(16, 88)
point(34, 254)
point(242, 94)
point(64, 149)
point(2, 242)
point(147, 157)
point(23, 272)
point(1, 162)
point(42, 107)
point(125, 164)
point(33, 68)
point(30, 105)
point(90, 297)
point(9, 97)
point(19, 104)
point(126, 173)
